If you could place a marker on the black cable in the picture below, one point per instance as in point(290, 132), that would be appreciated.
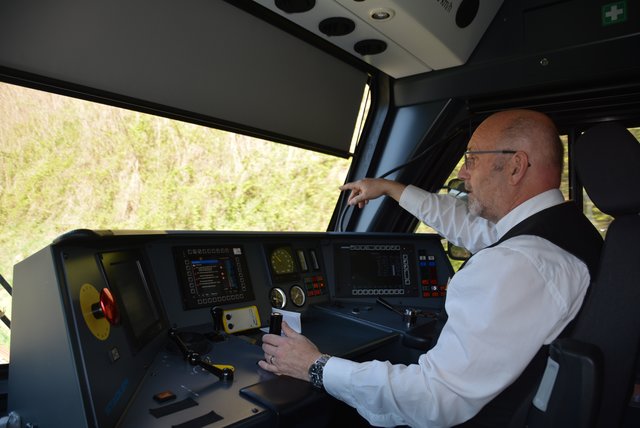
point(5, 284)
point(7, 287)
point(416, 158)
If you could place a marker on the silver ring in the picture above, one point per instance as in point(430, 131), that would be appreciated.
point(271, 359)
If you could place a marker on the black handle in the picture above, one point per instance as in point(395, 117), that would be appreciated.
point(225, 374)
point(275, 323)
point(216, 317)
point(173, 334)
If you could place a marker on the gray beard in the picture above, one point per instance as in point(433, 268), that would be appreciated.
point(475, 207)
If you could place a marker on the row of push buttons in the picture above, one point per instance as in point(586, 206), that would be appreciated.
point(315, 285)
point(429, 276)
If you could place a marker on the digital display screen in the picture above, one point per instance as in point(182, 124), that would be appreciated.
point(213, 275)
point(375, 270)
point(134, 297)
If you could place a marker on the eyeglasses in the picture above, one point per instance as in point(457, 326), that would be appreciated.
point(470, 161)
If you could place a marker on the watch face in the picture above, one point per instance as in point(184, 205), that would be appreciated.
point(316, 370)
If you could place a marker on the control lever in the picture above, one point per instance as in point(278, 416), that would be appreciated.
point(389, 306)
point(216, 318)
point(409, 315)
point(275, 323)
point(224, 372)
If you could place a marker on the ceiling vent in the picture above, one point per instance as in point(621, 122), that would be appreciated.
point(336, 26)
point(295, 6)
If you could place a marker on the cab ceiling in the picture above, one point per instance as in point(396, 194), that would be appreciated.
point(398, 37)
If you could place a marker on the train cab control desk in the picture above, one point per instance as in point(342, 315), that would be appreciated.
point(124, 329)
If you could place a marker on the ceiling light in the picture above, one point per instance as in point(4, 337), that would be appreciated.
point(381, 14)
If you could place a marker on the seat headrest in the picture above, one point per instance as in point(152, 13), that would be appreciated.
point(607, 161)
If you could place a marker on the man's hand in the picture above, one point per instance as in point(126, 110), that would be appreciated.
point(291, 354)
point(362, 191)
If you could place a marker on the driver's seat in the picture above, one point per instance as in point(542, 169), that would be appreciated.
point(597, 363)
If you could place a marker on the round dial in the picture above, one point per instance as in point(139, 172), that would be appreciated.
point(282, 261)
point(278, 298)
point(298, 296)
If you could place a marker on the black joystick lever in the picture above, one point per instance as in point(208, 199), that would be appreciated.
point(389, 306)
point(216, 318)
point(275, 323)
point(224, 372)
point(409, 316)
point(173, 334)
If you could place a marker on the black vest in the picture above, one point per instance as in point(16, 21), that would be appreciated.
point(565, 226)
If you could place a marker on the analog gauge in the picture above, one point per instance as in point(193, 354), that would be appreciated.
point(282, 261)
point(298, 296)
point(278, 298)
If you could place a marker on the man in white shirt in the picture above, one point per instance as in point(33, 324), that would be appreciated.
point(517, 293)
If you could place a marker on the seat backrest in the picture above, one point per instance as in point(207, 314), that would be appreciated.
point(607, 160)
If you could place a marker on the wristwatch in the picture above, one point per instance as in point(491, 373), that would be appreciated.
point(316, 369)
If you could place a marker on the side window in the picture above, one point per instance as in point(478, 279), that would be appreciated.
point(600, 220)
point(564, 180)
point(597, 217)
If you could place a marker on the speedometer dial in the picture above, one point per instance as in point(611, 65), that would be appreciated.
point(282, 261)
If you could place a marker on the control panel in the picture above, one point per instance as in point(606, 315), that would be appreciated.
point(132, 330)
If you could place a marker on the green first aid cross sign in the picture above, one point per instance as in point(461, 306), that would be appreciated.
point(614, 13)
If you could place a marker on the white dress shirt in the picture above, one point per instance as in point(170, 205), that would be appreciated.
point(503, 306)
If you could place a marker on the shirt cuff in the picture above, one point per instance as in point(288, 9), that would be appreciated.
point(336, 377)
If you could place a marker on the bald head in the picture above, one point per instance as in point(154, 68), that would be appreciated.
point(534, 133)
point(530, 162)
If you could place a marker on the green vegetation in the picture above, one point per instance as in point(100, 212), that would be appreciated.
point(69, 164)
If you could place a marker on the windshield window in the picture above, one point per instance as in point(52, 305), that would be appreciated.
point(68, 164)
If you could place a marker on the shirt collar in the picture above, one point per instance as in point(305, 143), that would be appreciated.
point(529, 207)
